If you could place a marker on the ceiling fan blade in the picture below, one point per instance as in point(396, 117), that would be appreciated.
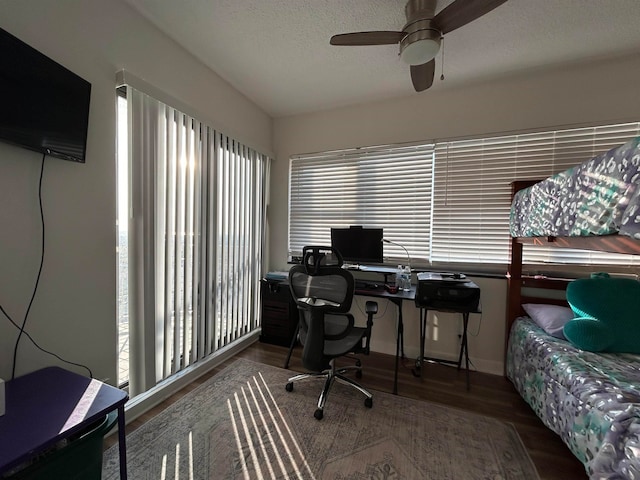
point(422, 75)
point(367, 38)
point(461, 12)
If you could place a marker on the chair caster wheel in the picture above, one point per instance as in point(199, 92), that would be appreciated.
point(358, 363)
point(318, 414)
point(368, 402)
point(289, 387)
point(358, 373)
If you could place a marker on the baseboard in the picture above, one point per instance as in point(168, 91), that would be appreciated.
point(146, 401)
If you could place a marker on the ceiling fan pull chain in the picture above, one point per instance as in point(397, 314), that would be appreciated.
point(442, 64)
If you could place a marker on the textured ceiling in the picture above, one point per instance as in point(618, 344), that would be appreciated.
point(277, 52)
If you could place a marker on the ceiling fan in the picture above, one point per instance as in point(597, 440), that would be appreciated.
point(420, 38)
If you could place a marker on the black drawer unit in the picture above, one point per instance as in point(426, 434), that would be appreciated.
point(279, 312)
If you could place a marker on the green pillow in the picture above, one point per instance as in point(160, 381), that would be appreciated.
point(588, 334)
point(609, 314)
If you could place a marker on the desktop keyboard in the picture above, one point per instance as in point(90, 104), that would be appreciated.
point(361, 285)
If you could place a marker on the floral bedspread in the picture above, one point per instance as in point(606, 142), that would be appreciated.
point(598, 197)
point(591, 400)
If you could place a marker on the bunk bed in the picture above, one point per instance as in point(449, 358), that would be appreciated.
point(590, 399)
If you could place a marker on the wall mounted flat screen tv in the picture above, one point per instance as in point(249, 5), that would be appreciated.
point(358, 244)
point(44, 107)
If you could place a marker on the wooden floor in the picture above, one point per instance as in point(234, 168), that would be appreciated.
point(489, 395)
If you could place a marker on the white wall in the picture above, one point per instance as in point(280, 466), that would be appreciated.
point(74, 312)
point(577, 94)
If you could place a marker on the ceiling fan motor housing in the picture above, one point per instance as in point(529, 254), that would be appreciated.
point(420, 9)
point(422, 41)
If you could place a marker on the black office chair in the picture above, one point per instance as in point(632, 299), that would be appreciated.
point(323, 291)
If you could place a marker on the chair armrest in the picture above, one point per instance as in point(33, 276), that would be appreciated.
point(371, 307)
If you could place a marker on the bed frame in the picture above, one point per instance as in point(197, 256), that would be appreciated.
point(516, 281)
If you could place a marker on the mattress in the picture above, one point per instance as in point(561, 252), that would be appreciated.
point(592, 400)
point(598, 197)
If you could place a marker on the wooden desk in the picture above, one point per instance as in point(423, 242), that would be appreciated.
point(49, 405)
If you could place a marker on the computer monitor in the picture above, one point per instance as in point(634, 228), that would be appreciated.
point(358, 244)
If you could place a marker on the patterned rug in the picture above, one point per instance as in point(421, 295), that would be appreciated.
point(242, 424)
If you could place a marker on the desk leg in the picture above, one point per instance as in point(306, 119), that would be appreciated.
point(464, 348)
point(399, 342)
point(293, 344)
point(122, 444)
point(423, 336)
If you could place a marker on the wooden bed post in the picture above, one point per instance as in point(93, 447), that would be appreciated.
point(514, 274)
point(514, 285)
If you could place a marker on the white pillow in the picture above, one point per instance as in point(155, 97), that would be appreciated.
point(551, 318)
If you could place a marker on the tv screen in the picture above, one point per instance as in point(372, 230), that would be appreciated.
point(358, 244)
point(44, 107)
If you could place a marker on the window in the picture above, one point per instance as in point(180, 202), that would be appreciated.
point(448, 202)
point(381, 187)
point(473, 191)
point(122, 220)
point(195, 208)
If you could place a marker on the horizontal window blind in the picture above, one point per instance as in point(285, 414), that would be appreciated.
point(472, 191)
point(446, 203)
point(382, 187)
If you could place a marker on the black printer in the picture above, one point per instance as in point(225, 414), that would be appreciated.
point(447, 291)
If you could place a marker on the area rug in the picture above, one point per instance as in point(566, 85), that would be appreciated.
point(242, 424)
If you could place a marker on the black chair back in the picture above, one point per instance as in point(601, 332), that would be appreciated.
point(319, 286)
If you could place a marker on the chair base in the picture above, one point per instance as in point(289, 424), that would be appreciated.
point(352, 356)
point(330, 375)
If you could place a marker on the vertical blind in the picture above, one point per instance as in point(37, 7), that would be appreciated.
point(447, 202)
point(377, 187)
point(196, 236)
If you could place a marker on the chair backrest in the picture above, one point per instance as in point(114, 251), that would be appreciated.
point(319, 286)
point(320, 282)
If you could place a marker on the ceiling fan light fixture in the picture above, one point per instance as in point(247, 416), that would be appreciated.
point(420, 47)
